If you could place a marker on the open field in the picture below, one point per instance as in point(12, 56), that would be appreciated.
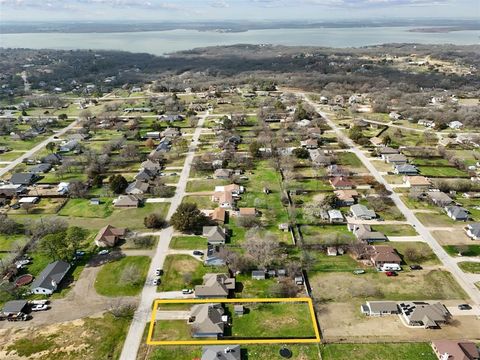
point(470, 267)
point(188, 242)
point(83, 208)
point(410, 351)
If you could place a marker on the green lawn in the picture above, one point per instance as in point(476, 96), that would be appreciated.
point(171, 330)
point(188, 242)
point(183, 271)
point(266, 320)
point(108, 281)
point(441, 171)
point(470, 267)
point(254, 288)
point(340, 263)
point(425, 253)
point(350, 160)
point(7, 241)
point(202, 201)
point(401, 351)
point(83, 208)
point(324, 234)
point(204, 185)
point(470, 250)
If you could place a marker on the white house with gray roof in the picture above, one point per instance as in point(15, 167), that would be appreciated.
point(221, 352)
point(361, 212)
point(207, 321)
point(473, 231)
point(47, 282)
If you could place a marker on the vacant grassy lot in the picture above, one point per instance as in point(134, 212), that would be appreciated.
point(351, 160)
point(188, 242)
point(254, 288)
point(396, 230)
point(279, 320)
point(87, 339)
point(410, 351)
point(467, 250)
point(325, 263)
point(441, 171)
point(204, 185)
point(202, 201)
point(181, 271)
point(418, 285)
point(109, 280)
point(83, 208)
point(7, 241)
point(435, 220)
point(470, 267)
point(321, 234)
point(425, 254)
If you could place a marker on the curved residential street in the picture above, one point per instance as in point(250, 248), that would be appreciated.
point(466, 281)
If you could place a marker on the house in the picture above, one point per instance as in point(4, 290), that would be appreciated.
point(221, 352)
point(248, 212)
point(224, 199)
point(215, 234)
point(29, 200)
point(335, 216)
point(332, 251)
point(417, 182)
point(69, 146)
point(40, 168)
point(207, 321)
point(223, 174)
point(214, 255)
point(4, 149)
point(360, 211)
point(320, 159)
point(153, 167)
point(170, 132)
point(341, 183)
point(24, 178)
point(126, 201)
point(385, 151)
point(455, 125)
point(233, 188)
point(172, 118)
point(439, 198)
point(215, 286)
point(346, 197)
point(455, 350)
point(405, 169)
point(379, 308)
point(109, 236)
point(424, 314)
point(396, 159)
point(79, 137)
point(258, 275)
point(335, 170)
point(14, 307)
point(219, 215)
point(376, 141)
point(145, 175)
point(49, 279)
point(10, 190)
point(309, 144)
point(473, 231)
point(384, 255)
point(457, 213)
point(137, 188)
point(426, 123)
point(364, 232)
point(63, 188)
point(53, 159)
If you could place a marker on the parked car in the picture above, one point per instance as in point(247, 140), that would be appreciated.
point(415, 267)
point(359, 271)
point(156, 281)
point(38, 302)
point(391, 273)
point(104, 252)
point(159, 272)
point(187, 291)
point(79, 253)
point(40, 307)
point(21, 263)
point(464, 307)
point(198, 252)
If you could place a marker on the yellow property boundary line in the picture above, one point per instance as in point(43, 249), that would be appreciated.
point(316, 339)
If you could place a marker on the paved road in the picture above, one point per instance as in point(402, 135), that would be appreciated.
point(149, 292)
point(37, 148)
point(465, 280)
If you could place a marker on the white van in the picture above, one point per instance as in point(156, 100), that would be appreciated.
point(391, 267)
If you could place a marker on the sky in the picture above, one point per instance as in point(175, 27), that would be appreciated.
point(204, 10)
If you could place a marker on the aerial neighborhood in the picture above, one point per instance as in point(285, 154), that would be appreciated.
point(178, 222)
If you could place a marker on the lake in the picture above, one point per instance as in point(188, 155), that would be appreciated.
point(163, 42)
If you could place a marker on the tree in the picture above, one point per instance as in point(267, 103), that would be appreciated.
point(154, 221)
point(263, 250)
point(149, 143)
point(254, 149)
point(248, 221)
point(301, 153)
point(130, 152)
point(283, 288)
point(118, 183)
point(62, 245)
point(44, 226)
point(130, 275)
point(51, 146)
point(189, 218)
point(62, 117)
point(8, 226)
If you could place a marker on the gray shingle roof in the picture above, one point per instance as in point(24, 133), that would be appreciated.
point(51, 276)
